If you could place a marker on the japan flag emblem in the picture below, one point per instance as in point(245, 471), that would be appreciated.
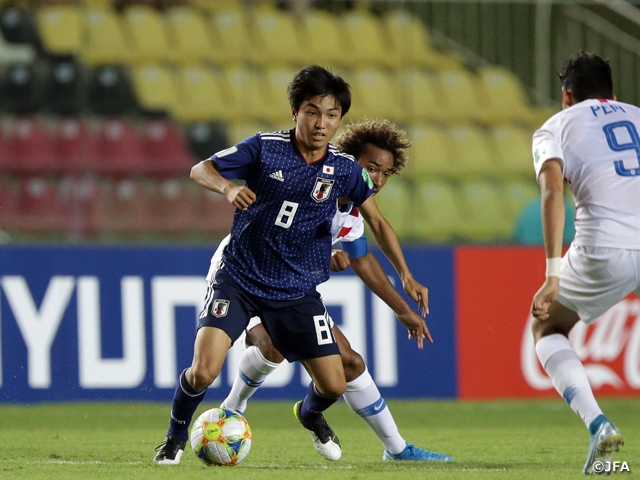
point(327, 170)
point(322, 189)
point(220, 308)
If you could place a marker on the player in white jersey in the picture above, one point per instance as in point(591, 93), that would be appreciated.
point(594, 145)
point(379, 148)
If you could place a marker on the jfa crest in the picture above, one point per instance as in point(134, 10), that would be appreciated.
point(322, 189)
point(220, 308)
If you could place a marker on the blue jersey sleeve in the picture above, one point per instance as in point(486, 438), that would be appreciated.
point(360, 185)
point(236, 162)
point(357, 248)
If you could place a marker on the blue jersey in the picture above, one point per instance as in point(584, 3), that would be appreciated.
point(280, 246)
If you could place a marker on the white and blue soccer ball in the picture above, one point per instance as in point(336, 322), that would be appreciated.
point(221, 437)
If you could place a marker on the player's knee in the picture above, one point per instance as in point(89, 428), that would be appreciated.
point(270, 353)
point(200, 376)
point(353, 364)
point(544, 328)
point(332, 389)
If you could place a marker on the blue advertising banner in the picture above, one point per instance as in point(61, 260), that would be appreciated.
point(107, 323)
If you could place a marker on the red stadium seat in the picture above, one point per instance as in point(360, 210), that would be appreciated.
point(122, 208)
point(5, 155)
point(174, 206)
point(214, 214)
point(77, 147)
point(120, 149)
point(39, 209)
point(165, 149)
point(32, 148)
point(8, 204)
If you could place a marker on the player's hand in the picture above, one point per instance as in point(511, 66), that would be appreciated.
point(240, 196)
point(416, 327)
point(545, 297)
point(419, 293)
point(339, 261)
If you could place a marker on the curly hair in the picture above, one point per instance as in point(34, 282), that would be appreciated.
point(380, 133)
point(586, 75)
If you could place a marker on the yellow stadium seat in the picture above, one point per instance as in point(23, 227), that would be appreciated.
point(60, 29)
point(519, 193)
point(473, 151)
point(420, 100)
point(276, 38)
point(411, 42)
point(244, 93)
point(324, 40)
point(215, 6)
point(366, 45)
point(104, 39)
point(431, 155)
point(201, 94)
point(231, 37)
point(513, 145)
point(460, 89)
point(272, 103)
point(155, 88)
point(374, 94)
point(437, 215)
point(148, 33)
point(191, 39)
point(505, 95)
point(485, 216)
point(238, 131)
point(394, 201)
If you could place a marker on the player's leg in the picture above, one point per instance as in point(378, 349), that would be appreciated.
point(210, 350)
point(256, 363)
point(364, 398)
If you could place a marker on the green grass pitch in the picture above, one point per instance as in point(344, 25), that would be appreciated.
point(489, 440)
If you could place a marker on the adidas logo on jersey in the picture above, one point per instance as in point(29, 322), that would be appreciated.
point(277, 176)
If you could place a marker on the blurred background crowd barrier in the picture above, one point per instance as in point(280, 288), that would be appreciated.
point(105, 105)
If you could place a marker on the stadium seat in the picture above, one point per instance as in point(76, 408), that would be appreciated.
point(374, 94)
point(173, 208)
point(474, 151)
point(518, 194)
point(366, 45)
point(165, 149)
point(513, 145)
point(230, 36)
point(243, 91)
point(420, 98)
point(329, 48)
point(15, 53)
point(17, 26)
point(437, 212)
point(8, 200)
point(276, 39)
point(109, 91)
point(5, 156)
point(190, 33)
point(60, 29)
point(431, 155)
point(104, 39)
point(120, 149)
point(411, 42)
point(201, 95)
point(21, 90)
point(76, 147)
point(214, 214)
point(39, 209)
point(205, 139)
point(63, 95)
point(485, 216)
point(32, 148)
point(155, 89)
point(460, 89)
point(271, 103)
point(236, 132)
point(395, 201)
point(122, 208)
point(149, 40)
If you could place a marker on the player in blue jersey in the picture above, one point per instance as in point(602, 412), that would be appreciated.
point(280, 250)
point(380, 148)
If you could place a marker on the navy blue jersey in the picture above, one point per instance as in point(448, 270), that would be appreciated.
point(280, 246)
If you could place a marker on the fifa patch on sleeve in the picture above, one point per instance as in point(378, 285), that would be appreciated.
point(367, 178)
point(356, 249)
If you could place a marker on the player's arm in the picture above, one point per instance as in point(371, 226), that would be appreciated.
point(371, 273)
point(390, 246)
point(553, 213)
point(207, 174)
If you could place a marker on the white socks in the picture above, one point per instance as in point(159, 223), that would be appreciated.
point(252, 370)
point(363, 397)
point(568, 375)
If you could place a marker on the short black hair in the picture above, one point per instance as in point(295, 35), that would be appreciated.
point(379, 133)
point(586, 75)
point(313, 81)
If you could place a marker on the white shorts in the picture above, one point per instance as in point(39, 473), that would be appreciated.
point(594, 279)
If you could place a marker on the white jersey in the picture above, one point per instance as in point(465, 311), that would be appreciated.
point(346, 226)
point(599, 146)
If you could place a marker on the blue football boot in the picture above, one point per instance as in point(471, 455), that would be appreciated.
point(415, 454)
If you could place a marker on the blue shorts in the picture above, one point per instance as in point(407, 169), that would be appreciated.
point(300, 329)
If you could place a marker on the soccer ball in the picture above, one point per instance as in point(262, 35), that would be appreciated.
point(221, 437)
